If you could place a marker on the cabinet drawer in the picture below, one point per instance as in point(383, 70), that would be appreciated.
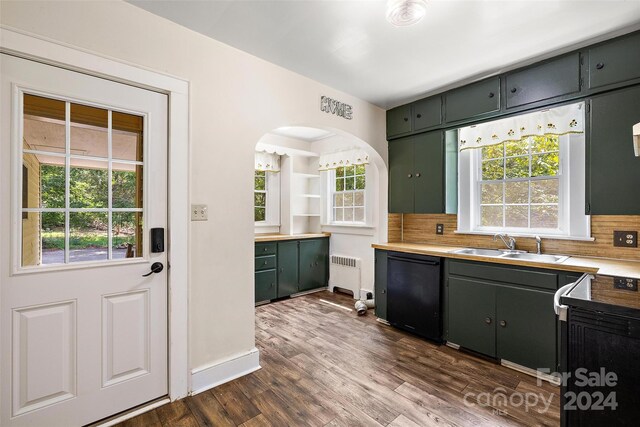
point(266, 288)
point(267, 248)
point(399, 121)
point(265, 262)
point(615, 62)
point(473, 100)
point(511, 275)
point(548, 80)
point(427, 113)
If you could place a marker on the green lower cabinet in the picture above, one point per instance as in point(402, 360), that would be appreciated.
point(380, 284)
point(472, 308)
point(526, 327)
point(266, 285)
point(287, 268)
point(313, 264)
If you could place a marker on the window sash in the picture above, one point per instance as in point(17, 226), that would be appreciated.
point(352, 207)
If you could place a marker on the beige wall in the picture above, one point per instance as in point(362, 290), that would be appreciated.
point(31, 225)
point(235, 99)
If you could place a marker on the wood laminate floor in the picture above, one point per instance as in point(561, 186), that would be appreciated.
point(325, 366)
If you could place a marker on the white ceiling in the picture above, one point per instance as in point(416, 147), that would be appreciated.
point(349, 45)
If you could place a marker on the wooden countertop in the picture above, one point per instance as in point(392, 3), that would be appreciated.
point(274, 237)
point(609, 267)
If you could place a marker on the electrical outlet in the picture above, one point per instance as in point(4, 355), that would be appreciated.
point(625, 239)
point(439, 228)
point(625, 283)
point(199, 213)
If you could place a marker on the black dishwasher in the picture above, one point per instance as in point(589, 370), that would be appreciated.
point(413, 294)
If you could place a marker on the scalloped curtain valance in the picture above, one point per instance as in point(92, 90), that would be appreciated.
point(268, 162)
point(342, 158)
point(555, 121)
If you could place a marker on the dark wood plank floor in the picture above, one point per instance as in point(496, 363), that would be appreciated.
point(325, 366)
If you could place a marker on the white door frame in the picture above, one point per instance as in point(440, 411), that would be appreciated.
point(36, 48)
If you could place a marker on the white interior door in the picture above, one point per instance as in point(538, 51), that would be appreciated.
point(83, 180)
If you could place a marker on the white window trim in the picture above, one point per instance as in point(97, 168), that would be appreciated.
point(573, 224)
point(329, 181)
point(272, 213)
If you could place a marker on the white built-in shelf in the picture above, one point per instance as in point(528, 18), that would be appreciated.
point(310, 196)
point(306, 214)
point(307, 175)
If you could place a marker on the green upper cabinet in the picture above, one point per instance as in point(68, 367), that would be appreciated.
point(416, 174)
point(613, 172)
point(287, 268)
point(550, 79)
point(615, 62)
point(427, 113)
point(473, 100)
point(526, 327)
point(399, 121)
point(313, 264)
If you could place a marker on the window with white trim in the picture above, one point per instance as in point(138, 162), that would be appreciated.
point(348, 204)
point(260, 196)
point(530, 181)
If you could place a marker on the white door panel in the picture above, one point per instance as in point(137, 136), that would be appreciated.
point(83, 335)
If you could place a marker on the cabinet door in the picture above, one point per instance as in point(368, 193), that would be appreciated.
point(380, 285)
point(265, 282)
point(310, 266)
point(613, 172)
point(526, 327)
point(473, 100)
point(615, 61)
point(553, 78)
point(401, 180)
point(287, 268)
point(429, 173)
point(472, 308)
point(399, 121)
point(427, 113)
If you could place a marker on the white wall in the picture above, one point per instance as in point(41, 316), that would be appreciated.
point(235, 99)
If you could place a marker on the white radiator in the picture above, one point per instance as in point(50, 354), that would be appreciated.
point(344, 273)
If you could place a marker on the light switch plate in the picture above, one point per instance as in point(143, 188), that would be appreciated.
point(199, 213)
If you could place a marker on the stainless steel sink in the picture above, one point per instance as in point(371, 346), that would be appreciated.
point(481, 252)
point(537, 257)
point(495, 253)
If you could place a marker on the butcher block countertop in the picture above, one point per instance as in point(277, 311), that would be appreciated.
point(605, 266)
point(274, 237)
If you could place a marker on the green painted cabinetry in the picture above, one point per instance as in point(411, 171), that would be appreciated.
point(426, 113)
point(399, 121)
point(473, 100)
point(416, 174)
point(614, 62)
point(613, 172)
point(380, 284)
point(313, 264)
point(504, 312)
point(550, 79)
point(287, 267)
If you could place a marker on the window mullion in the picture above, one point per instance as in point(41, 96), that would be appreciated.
point(67, 178)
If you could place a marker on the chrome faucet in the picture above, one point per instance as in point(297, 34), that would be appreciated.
point(507, 240)
point(539, 245)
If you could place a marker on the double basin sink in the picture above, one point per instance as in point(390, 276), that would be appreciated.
point(525, 256)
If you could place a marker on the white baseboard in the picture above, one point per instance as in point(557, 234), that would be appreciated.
point(202, 379)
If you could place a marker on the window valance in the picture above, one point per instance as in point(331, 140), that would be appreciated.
point(556, 121)
point(343, 158)
point(268, 162)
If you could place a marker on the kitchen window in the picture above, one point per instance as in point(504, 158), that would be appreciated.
point(524, 175)
point(260, 196)
point(266, 192)
point(348, 194)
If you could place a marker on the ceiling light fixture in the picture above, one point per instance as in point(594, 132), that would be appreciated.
point(403, 13)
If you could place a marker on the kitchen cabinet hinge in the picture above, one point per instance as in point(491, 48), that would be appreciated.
point(588, 107)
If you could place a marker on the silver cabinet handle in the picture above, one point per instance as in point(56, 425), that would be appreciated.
point(487, 320)
point(503, 323)
point(418, 175)
point(409, 176)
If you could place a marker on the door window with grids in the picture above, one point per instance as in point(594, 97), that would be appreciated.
point(348, 194)
point(82, 183)
point(519, 184)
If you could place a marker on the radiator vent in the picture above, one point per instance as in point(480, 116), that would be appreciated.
point(346, 261)
point(344, 273)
